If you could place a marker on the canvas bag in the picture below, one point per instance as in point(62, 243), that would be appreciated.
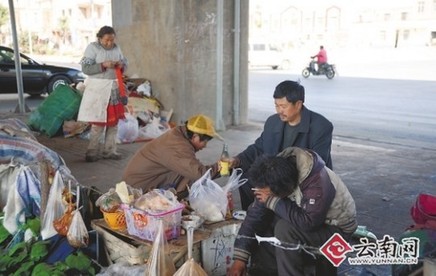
point(423, 212)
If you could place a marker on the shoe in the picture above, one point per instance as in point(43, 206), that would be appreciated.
point(91, 158)
point(112, 155)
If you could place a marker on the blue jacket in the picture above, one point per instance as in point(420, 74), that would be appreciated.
point(315, 133)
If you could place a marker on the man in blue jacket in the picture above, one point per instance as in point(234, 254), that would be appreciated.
point(292, 125)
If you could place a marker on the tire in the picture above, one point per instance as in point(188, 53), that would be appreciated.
point(330, 74)
point(274, 67)
point(305, 73)
point(57, 80)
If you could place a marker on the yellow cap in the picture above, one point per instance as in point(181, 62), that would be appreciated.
point(202, 124)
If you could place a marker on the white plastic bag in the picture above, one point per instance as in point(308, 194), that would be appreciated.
point(190, 267)
point(234, 181)
point(208, 199)
point(55, 208)
point(160, 262)
point(152, 130)
point(77, 235)
point(128, 129)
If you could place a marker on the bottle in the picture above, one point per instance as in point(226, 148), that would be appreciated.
point(224, 161)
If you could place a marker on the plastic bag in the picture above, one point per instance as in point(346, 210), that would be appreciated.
point(157, 201)
point(55, 208)
point(190, 267)
point(152, 130)
point(62, 224)
point(160, 262)
point(208, 199)
point(234, 181)
point(109, 202)
point(128, 129)
point(77, 233)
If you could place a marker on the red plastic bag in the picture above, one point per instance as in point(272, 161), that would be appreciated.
point(424, 211)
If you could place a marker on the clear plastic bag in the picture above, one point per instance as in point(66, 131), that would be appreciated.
point(234, 181)
point(157, 201)
point(128, 129)
point(208, 199)
point(160, 262)
point(55, 208)
point(190, 267)
point(77, 233)
point(109, 202)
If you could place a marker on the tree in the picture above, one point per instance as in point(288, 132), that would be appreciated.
point(4, 15)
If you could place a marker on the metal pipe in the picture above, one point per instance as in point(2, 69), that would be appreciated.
point(17, 58)
point(219, 66)
point(236, 63)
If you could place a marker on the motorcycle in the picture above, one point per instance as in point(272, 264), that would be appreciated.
point(329, 70)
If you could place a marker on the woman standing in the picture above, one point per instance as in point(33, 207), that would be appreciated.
point(102, 104)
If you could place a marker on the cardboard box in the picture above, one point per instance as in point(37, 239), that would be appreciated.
point(217, 250)
point(122, 247)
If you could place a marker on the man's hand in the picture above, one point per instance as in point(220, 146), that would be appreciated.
point(234, 162)
point(262, 194)
point(239, 268)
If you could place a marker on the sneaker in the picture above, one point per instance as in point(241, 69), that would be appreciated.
point(112, 155)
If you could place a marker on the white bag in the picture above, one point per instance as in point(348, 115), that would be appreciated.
point(128, 129)
point(55, 208)
point(234, 181)
point(95, 100)
point(208, 199)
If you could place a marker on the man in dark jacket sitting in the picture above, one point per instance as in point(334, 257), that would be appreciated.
point(293, 125)
point(299, 201)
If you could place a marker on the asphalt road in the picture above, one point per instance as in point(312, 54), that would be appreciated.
point(384, 110)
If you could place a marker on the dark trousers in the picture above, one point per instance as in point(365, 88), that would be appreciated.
point(276, 261)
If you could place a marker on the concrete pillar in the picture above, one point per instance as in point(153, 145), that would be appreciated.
point(186, 48)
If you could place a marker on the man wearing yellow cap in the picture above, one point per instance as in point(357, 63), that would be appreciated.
point(169, 161)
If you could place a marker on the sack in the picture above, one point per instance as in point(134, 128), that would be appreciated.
point(61, 105)
point(423, 212)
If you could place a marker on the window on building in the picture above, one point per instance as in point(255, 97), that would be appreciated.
point(406, 34)
point(404, 16)
point(421, 6)
point(259, 47)
point(387, 16)
point(383, 36)
point(434, 5)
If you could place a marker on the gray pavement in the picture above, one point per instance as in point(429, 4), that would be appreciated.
point(384, 178)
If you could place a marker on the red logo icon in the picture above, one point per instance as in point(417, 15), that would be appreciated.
point(335, 249)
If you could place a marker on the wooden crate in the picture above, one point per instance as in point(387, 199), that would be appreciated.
point(122, 247)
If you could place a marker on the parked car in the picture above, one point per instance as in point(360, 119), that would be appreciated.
point(38, 78)
point(266, 55)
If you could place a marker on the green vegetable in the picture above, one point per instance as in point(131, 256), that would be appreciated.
point(39, 250)
point(4, 234)
point(34, 225)
point(80, 261)
point(24, 269)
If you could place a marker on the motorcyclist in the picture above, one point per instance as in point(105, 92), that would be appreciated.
point(321, 59)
